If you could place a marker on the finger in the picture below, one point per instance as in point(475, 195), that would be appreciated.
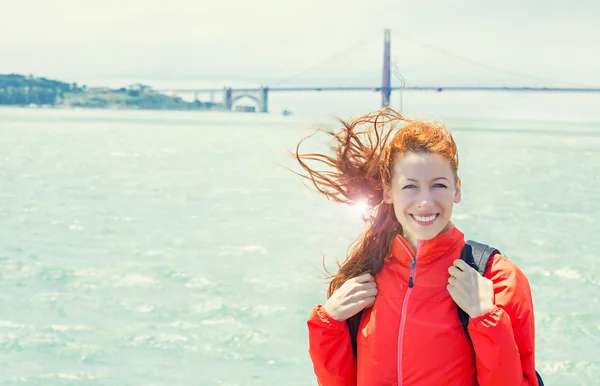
point(456, 294)
point(462, 265)
point(463, 290)
point(365, 293)
point(454, 271)
point(368, 285)
point(460, 283)
point(458, 299)
point(371, 292)
point(363, 302)
point(356, 286)
point(451, 289)
point(459, 294)
point(365, 277)
point(368, 302)
point(457, 289)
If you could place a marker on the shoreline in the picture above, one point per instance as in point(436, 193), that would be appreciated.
point(40, 92)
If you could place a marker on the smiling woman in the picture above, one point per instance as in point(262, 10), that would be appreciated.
point(399, 288)
point(422, 193)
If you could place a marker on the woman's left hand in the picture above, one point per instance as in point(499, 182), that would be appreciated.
point(470, 291)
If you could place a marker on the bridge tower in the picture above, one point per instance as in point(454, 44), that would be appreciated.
point(259, 96)
point(264, 99)
point(386, 89)
point(228, 98)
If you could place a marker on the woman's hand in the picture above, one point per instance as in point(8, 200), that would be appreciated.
point(352, 297)
point(470, 291)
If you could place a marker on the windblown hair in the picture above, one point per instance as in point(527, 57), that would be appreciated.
point(365, 150)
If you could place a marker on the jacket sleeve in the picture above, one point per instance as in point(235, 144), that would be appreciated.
point(330, 350)
point(504, 338)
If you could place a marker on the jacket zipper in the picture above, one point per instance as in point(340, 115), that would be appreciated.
point(411, 283)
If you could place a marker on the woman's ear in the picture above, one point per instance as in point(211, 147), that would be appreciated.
point(387, 195)
point(457, 194)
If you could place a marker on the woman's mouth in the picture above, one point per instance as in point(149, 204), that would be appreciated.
point(425, 219)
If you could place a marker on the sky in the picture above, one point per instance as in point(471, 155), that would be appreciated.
point(309, 42)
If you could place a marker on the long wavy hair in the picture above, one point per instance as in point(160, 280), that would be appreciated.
point(365, 150)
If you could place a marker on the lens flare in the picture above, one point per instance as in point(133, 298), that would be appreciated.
point(361, 207)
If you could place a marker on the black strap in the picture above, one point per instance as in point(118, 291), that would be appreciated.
point(353, 323)
point(477, 255)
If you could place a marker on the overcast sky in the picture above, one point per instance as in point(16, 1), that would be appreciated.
point(304, 42)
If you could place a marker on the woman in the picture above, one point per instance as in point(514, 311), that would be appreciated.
point(405, 272)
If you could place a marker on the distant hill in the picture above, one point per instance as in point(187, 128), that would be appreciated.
point(20, 90)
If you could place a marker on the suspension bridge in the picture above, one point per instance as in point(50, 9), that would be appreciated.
point(260, 95)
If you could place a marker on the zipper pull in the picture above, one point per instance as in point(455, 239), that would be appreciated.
point(412, 268)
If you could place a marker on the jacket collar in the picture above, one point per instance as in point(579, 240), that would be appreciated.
point(427, 250)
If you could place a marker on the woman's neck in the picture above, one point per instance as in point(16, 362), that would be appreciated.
point(414, 243)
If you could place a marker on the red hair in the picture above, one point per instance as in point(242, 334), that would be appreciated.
point(364, 154)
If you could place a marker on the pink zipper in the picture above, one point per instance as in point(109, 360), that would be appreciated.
point(411, 278)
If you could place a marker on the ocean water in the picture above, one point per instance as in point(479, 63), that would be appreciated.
point(175, 248)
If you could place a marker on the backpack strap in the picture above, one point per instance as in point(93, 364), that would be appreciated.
point(353, 322)
point(477, 256)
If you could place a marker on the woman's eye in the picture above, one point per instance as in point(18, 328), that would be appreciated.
point(410, 186)
point(439, 186)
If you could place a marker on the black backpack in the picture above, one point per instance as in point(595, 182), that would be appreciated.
point(477, 256)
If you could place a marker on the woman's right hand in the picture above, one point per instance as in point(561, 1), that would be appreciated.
point(352, 297)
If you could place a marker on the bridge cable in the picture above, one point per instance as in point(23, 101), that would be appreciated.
point(335, 56)
point(484, 65)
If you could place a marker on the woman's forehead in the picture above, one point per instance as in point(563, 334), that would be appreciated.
point(422, 166)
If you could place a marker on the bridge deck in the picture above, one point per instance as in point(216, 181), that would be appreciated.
point(378, 89)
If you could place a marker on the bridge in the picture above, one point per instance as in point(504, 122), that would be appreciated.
point(260, 95)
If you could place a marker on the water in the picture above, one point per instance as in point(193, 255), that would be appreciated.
point(155, 248)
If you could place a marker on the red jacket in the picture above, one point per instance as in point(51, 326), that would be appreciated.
point(413, 336)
